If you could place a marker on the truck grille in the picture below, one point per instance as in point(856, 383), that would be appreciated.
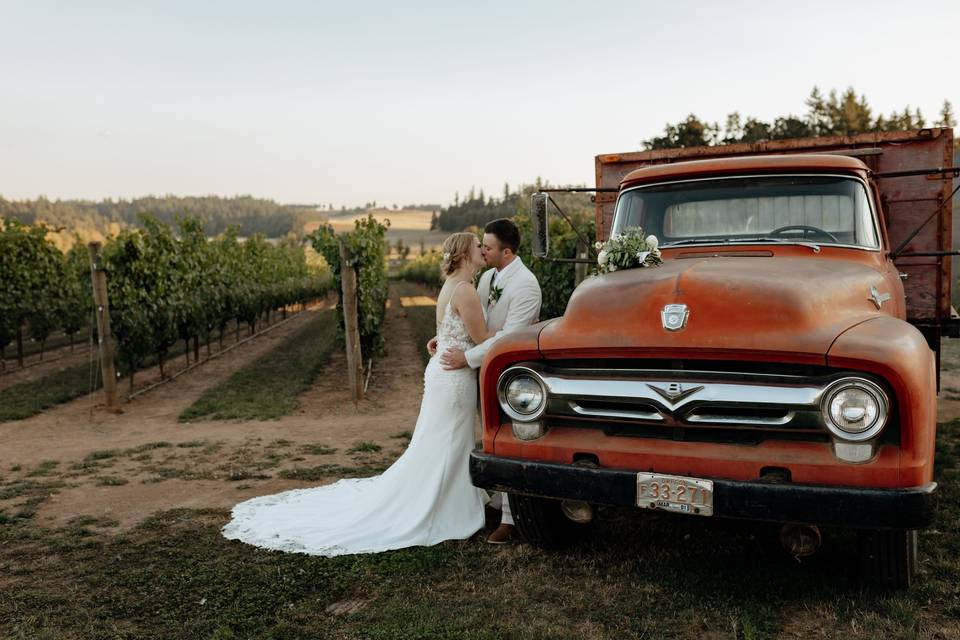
point(687, 404)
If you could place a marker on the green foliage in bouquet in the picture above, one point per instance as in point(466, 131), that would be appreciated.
point(627, 250)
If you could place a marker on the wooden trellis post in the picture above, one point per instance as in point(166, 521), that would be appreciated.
point(104, 336)
point(580, 269)
point(348, 279)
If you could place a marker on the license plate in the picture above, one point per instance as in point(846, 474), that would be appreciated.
point(675, 493)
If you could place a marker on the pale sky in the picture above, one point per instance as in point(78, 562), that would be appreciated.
point(407, 102)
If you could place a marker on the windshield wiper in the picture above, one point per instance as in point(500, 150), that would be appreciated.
point(677, 243)
point(812, 245)
point(689, 241)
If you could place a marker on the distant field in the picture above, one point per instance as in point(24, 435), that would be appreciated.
point(408, 225)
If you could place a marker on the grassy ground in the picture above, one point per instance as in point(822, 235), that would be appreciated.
point(422, 319)
point(268, 388)
point(637, 575)
point(21, 401)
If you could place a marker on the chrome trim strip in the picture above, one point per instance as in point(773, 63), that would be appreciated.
point(613, 413)
point(745, 419)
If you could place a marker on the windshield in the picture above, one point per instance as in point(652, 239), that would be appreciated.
point(819, 209)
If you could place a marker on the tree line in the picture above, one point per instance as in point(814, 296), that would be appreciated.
point(476, 209)
point(832, 115)
point(246, 214)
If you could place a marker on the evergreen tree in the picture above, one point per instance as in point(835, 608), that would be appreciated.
point(818, 116)
point(947, 118)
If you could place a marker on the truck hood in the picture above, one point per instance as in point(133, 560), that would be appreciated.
point(747, 304)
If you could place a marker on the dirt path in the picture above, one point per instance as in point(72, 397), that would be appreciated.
point(126, 467)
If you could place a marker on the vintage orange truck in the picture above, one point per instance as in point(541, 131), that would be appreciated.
point(781, 364)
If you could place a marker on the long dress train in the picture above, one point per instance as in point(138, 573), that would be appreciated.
point(425, 497)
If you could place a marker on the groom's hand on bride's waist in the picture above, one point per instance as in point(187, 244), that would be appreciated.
point(432, 346)
point(453, 359)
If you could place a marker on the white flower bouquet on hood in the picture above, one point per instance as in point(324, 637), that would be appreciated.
point(627, 250)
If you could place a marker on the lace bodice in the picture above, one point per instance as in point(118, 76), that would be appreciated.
point(452, 332)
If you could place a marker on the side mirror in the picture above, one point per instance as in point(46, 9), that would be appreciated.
point(539, 223)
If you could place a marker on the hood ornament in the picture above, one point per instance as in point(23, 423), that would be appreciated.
point(675, 392)
point(878, 298)
point(674, 317)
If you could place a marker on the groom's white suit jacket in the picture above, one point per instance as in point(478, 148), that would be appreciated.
point(518, 306)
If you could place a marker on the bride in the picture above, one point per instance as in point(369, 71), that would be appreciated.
point(426, 496)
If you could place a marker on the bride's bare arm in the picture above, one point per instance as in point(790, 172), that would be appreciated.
point(467, 304)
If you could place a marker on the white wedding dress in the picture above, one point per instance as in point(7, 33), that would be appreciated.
point(425, 497)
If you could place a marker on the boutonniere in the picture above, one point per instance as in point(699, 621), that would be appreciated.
point(495, 292)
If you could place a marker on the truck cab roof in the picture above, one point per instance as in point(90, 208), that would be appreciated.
point(803, 162)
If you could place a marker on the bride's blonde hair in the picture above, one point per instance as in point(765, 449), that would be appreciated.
point(456, 249)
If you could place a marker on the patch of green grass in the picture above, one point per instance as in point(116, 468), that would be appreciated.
point(422, 320)
point(44, 469)
point(237, 475)
point(101, 455)
point(324, 471)
point(85, 465)
point(20, 401)
point(187, 472)
point(28, 487)
point(267, 389)
point(404, 435)
point(16, 467)
point(111, 481)
point(28, 508)
point(365, 447)
point(150, 446)
point(190, 444)
point(213, 447)
point(317, 449)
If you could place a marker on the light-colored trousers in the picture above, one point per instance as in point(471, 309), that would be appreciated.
point(500, 501)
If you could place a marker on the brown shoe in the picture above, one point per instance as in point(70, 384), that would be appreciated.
point(502, 534)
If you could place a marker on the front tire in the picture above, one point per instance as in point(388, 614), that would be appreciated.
point(889, 557)
point(542, 523)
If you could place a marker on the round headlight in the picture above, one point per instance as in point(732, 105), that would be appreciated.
point(855, 409)
point(522, 395)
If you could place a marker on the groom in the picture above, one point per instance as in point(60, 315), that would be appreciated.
point(511, 298)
